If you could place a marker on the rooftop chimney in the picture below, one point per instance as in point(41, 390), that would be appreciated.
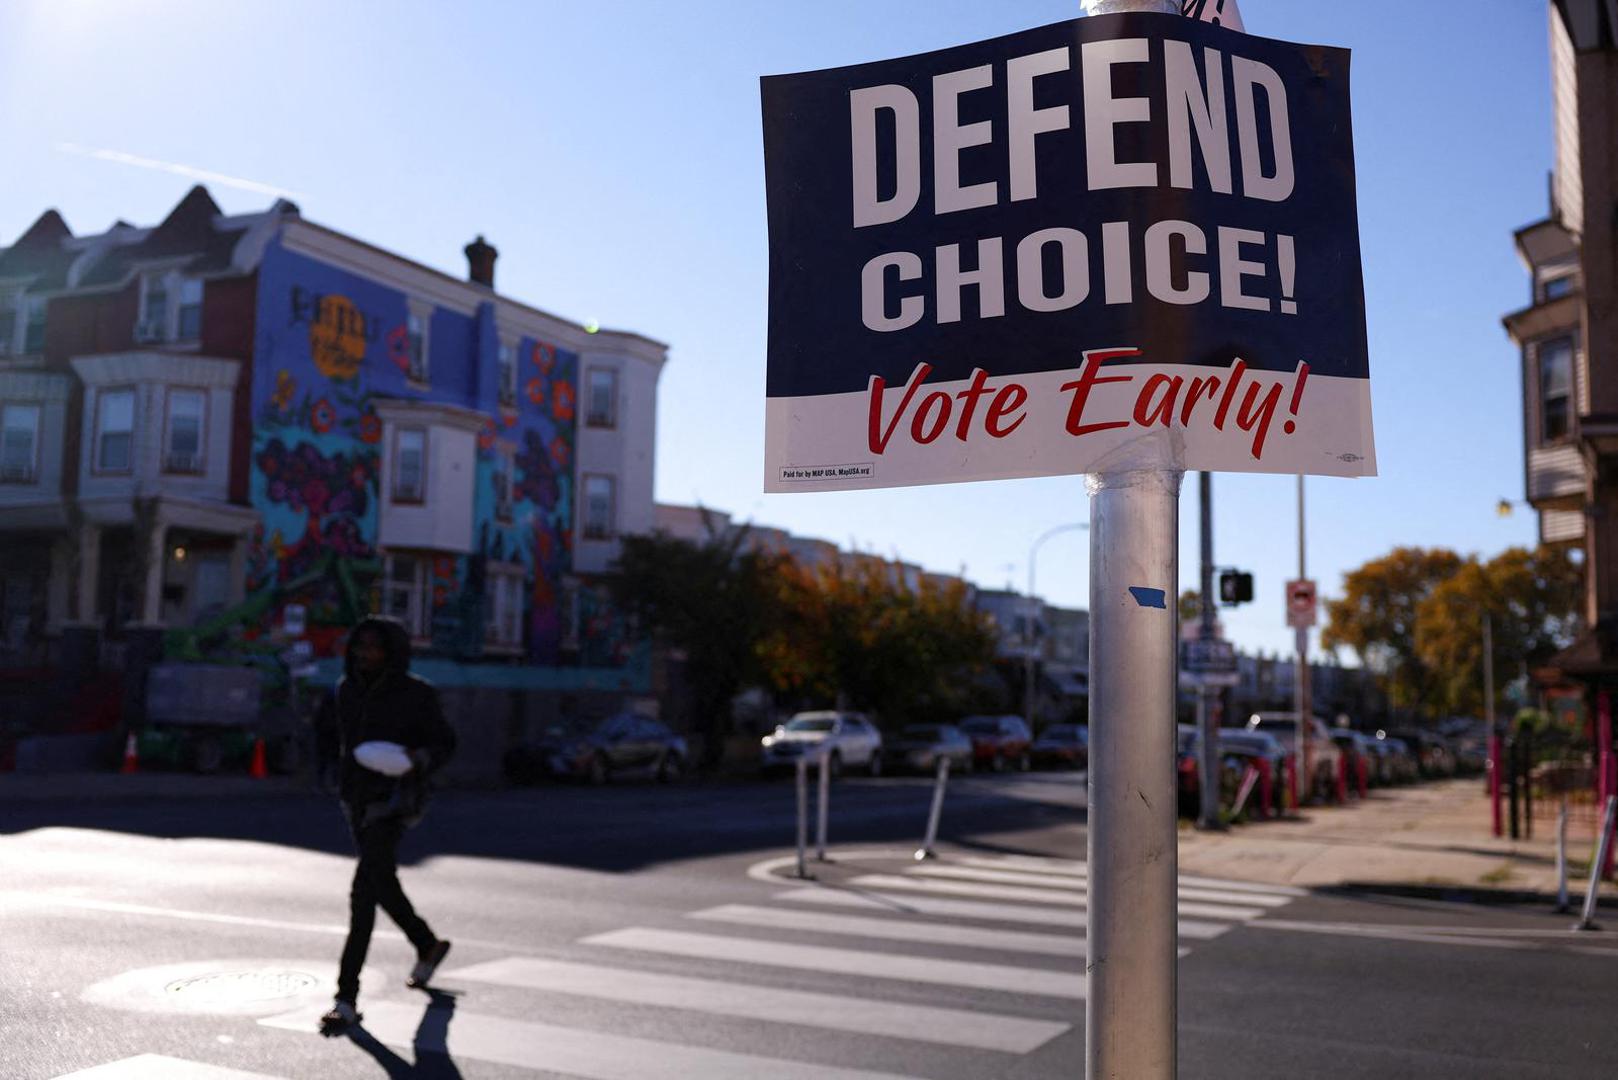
point(480, 256)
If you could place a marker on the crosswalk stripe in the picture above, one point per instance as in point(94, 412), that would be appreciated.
point(591, 1055)
point(161, 1067)
point(1026, 914)
point(1066, 868)
point(976, 976)
point(1079, 884)
point(933, 933)
point(1046, 896)
point(924, 1023)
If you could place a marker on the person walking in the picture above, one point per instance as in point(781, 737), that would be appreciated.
point(392, 737)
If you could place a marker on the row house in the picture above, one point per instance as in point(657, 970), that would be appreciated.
point(225, 423)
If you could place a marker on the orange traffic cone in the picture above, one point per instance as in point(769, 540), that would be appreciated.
point(131, 759)
point(257, 770)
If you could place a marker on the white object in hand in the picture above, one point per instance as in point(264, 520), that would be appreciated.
point(387, 758)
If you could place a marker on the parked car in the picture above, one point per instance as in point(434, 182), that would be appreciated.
point(849, 738)
point(623, 745)
point(1398, 758)
point(1064, 746)
point(1187, 741)
point(999, 741)
point(1241, 749)
point(920, 746)
point(1434, 758)
point(1317, 770)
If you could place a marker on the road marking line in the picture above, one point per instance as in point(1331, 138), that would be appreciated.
point(1047, 896)
point(976, 976)
point(932, 933)
point(1078, 884)
point(592, 1055)
point(161, 1067)
point(1425, 936)
point(922, 1023)
point(971, 909)
point(1034, 864)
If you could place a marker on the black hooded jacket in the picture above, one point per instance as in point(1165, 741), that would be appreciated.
point(396, 707)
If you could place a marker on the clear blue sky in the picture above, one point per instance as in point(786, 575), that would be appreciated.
point(611, 150)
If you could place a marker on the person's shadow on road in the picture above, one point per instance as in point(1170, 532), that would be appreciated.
point(431, 1044)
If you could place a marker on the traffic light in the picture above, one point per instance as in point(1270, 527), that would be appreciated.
point(1235, 587)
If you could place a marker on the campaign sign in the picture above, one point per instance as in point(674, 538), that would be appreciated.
point(1115, 242)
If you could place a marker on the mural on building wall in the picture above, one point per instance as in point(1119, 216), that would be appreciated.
point(331, 345)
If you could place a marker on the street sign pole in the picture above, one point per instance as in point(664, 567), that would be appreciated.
point(1300, 681)
point(1133, 854)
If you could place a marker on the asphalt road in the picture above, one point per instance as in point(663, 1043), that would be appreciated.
point(640, 932)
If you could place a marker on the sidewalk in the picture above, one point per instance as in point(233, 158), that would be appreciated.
point(1436, 834)
point(104, 787)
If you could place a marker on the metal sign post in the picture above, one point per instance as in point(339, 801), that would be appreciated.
point(940, 781)
point(822, 804)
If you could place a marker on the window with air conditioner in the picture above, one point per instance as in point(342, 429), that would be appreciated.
point(115, 431)
point(19, 443)
point(601, 401)
point(34, 325)
point(404, 593)
point(503, 625)
point(508, 375)
point(599, 507)
point(1555, 390)
point(182, 441)
point(154, 311)
point(416, 360)
point(188, 324)
point(410, 465)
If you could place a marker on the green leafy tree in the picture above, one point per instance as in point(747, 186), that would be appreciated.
point(1377, 614)
point(711, 602)
point(1532, 599)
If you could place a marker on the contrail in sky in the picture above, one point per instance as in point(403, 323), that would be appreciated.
point(172, 167)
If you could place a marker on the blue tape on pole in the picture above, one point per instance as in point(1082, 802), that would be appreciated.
point(1148, 597)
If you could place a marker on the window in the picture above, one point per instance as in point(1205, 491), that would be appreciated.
point(508, 375)
point(504, 623)
point(34, 329)
point(190, 320)
point(115, 431)
point(410, 465)
point(182, 442)
point(502, 485)
point(1558, 287)
point(154, 311)
point(598, 507)
point(404, 593)
point(8, 323)
point(601, 409)
point(19, 444)
point(416, 369)
point(1555, 389)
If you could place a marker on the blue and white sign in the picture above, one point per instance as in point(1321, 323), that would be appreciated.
point(1040, 254)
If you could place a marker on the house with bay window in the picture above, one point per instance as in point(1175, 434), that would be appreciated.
point(221, 425)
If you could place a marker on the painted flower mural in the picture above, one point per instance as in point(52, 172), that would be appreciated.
point(337, 338)
point(562, 401)
point(322, 416)
point(370, 428)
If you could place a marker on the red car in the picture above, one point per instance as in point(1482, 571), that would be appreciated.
point(998, 741)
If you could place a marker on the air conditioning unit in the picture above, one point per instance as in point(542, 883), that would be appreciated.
point(183, 463)
point(16, 474)
point(146, 333)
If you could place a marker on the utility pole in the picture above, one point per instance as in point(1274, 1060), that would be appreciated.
point(1304, 702)
point(1132, 921)
point(1207, 720)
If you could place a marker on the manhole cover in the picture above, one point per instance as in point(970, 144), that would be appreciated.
point(242, 987)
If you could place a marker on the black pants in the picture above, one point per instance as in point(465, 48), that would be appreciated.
point(376, 881)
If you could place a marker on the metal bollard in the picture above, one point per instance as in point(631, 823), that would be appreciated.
point(1603, 847)
point(1292, 782)
point(939, 782)
point(822, 801)
point(1266, 797)
point(1562, 904)
point(803, 813)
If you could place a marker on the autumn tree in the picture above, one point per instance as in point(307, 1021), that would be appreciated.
point(859, 635)
point(1377, 615)
point(711, 601)
point(1532, 600)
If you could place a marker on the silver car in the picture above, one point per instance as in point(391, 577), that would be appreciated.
point(849, 738)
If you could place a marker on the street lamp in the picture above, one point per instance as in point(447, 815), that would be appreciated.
point(1028, 623)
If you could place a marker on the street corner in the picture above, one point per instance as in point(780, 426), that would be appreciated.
point(246, 987)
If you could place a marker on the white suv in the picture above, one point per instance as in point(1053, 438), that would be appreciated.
point(850, 738)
